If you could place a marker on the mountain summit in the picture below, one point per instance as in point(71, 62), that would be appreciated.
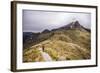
point(72, 25)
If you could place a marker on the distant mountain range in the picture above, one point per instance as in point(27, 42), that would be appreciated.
point(73, 39)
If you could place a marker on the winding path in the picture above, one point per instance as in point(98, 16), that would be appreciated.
point(45, 55)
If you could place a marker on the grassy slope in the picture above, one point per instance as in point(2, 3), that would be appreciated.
point(72, 44)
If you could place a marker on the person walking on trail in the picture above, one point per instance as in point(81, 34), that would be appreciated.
point(43, 47)
point(45, 55)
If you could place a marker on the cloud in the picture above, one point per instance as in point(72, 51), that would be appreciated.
point(37, 21)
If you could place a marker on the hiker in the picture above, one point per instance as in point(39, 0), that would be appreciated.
point(45, 55)
point(43, 48)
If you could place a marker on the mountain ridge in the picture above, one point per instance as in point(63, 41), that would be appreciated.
point(72, 25)
point(70, 42)
point(32, 37)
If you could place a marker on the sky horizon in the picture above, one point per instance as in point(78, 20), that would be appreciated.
point(37, 21)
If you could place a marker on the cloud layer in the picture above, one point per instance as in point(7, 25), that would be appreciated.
point(37, 21)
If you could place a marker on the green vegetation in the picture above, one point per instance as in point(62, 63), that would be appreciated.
point(72, 44)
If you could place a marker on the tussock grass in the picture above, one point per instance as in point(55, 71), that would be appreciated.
point(72, 44)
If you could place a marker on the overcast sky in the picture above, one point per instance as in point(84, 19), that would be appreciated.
point(37, 21)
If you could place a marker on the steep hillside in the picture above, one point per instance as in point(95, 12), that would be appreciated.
point(60, 44)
